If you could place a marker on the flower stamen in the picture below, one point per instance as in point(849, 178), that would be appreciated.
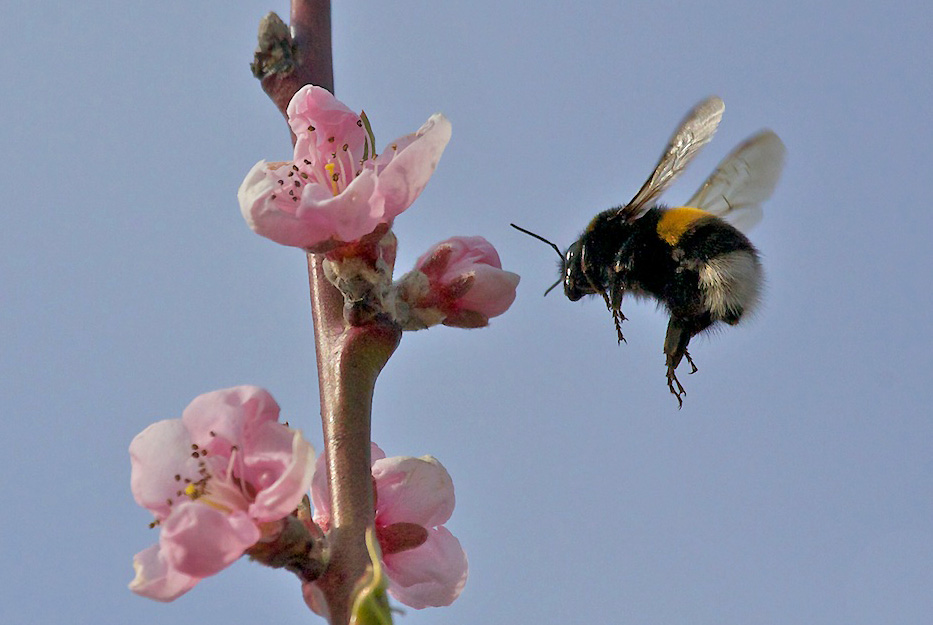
point(333, 180)
point(343, 170)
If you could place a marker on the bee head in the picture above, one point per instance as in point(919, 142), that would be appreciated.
point(576, 284)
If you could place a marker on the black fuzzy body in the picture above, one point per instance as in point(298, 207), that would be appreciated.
point(710, 272)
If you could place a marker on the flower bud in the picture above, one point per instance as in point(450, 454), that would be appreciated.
point(459, 282)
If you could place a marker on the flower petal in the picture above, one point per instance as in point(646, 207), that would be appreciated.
point(317, 108)
point(413, 490)
point(465, 252)
point(200, 540)
point(375, 453)
point(221, 419)
point(408, 172)
point(280, 464)
point(345, 217)
point(492, 293)
point(269, 214)
point(157, 455)
point(430, 575)
point(320, 494)
point(155, 579)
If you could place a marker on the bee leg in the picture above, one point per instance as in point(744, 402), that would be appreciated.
point(678, 392)
point(679, 332)
point(690, 361)
point(614, 306)
point(675, 348)
point(614, 303)
point(617, 319)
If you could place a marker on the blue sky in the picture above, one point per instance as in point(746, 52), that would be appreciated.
point(795, 486)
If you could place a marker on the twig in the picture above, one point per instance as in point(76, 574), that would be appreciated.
point(349, 358)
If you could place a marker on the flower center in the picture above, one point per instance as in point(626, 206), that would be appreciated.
point(215, 486)
point(332, 164)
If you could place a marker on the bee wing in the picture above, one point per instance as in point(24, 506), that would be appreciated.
point(743, 180)
point(694, 132)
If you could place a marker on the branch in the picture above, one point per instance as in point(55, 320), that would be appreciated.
point(349, 358)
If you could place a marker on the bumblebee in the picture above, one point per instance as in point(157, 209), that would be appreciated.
point(694, 259)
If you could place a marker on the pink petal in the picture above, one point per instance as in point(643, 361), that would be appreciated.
point(470, 251)
point(220, 419)
point(272, 214)
point(408, 172)
point(200, 540)
point(320, 493)
point(317, 107)
point(430, 575)
point(158, 454)
point(375, 453)
point(347, 216)
point(280, 463)
point(155, 579)
point(266, 454)
point(492, 293)
point(413, 490)
point(315, 599)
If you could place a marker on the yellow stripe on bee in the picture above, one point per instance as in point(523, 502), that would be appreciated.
point(675, 221)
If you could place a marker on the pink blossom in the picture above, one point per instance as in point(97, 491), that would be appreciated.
point(337, 190)
point(217, 480)
point(459, 282)
point(414, 498)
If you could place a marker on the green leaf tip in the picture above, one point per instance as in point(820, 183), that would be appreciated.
point(370, 603)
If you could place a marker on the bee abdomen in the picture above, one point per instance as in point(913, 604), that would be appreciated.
point(731, 284)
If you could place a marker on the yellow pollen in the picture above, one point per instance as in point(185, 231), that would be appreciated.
point(197, 491)
point(333, 181)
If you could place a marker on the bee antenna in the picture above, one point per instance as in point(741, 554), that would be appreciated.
point(556, 249)
point(551, 288)
point(541, 238)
